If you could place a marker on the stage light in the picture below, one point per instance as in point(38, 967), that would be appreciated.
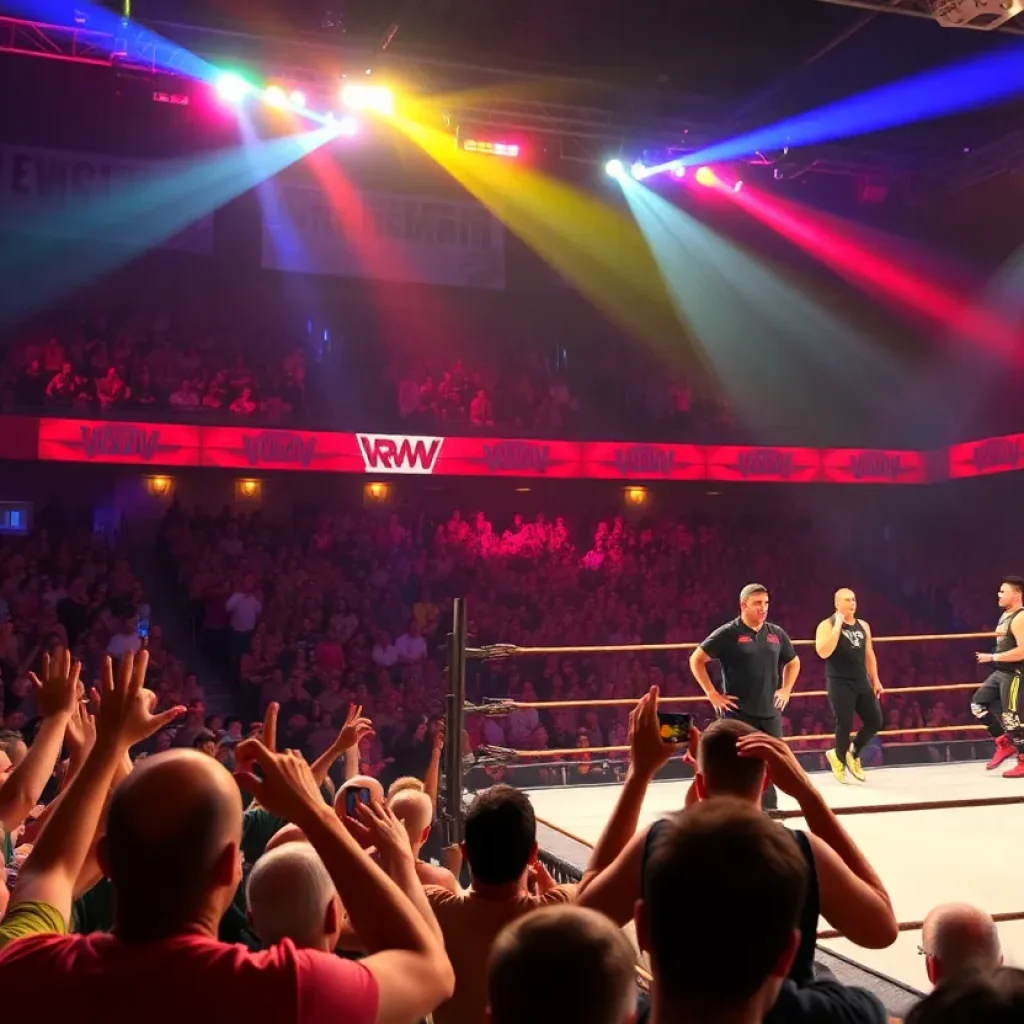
point(705, 176)
point(509, 149)
point(638, 170)
point(615, 168)
point(231, 88)
point(679, 171)
point(348, 125)
point(274, 97)
point(375, 98)
point(297, 99)
point(738, 186)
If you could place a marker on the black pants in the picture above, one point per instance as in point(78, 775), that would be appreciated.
point(848, 698)
point(996, 704)
point(987, 704)
point(772, 726)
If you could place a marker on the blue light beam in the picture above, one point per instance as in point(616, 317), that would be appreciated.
point(37, 264)
point(936, 93)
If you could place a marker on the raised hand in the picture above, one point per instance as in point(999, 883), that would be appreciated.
point(125, 715)
point(287, 788)
point(269, 735)
point(355, 729)
point(58, 689)
point(647, 750)
point(784, 769)
point(386, 833)
point(80, 734)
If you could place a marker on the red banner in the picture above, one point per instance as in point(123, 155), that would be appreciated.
point(240, 448)
point(982, 458)
point(156, 444)
point(764, 465)
point(617, 460)
point(19, 437)
point(245, 448)
point(475, 456)
point(873, 466)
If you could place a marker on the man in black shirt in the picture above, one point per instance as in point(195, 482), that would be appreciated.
point(753, 653)
point(851, 678)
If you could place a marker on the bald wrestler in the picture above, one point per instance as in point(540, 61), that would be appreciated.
point(851, 678)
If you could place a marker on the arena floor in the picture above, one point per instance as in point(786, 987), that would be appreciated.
point(924, 857)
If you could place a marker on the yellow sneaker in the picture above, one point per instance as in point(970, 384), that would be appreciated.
point(836, 765)
point(853, 763)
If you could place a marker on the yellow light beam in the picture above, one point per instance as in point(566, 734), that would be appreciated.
point(596, 248)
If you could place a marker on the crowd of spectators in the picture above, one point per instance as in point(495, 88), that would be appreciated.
point(328, 610)
point(137, 365)
point(314, 905)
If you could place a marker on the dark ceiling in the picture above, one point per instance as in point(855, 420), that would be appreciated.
point(729, 48)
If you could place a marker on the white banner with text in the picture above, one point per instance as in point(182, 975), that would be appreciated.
point(382, 236)
point(88, 196)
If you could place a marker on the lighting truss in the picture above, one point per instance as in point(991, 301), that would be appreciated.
point(914, 9)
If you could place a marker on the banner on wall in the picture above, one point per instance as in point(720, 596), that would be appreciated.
point(87, 196)
point(763, 465)
point(384, 236)
point(615, 460)
point(254, 448)
point(153, 444)
point(873, 466)
point(990, 455)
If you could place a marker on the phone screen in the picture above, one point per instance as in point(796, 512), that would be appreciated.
point(674, 727)
point(354, 796)
point(143, 628)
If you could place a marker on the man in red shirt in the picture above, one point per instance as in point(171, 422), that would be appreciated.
point(171, 850)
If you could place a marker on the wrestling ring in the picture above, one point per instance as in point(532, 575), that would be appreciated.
point(943, 831)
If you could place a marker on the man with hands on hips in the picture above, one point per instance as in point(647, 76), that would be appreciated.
point(759, 669)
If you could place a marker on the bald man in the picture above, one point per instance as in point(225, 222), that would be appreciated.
point(290, 895)
point(171, 850)
point(957, 939)
point(851, 678)
point(414, 809)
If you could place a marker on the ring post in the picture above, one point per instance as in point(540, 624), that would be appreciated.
point(455, 721)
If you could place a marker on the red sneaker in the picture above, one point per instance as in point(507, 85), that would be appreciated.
point(1018, 772)
point(1004, 750)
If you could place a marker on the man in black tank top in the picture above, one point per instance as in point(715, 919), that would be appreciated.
point(851, 678)
point(996, 703)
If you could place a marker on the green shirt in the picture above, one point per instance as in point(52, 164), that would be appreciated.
point(30, 919)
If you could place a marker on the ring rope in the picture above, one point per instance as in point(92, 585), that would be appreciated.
point(920, 805)
point(514, 650)
point(509, 752)
point(916, 926)
point(501, 706)
point(831, 933)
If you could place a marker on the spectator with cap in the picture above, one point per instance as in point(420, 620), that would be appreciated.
point(562, 965)
point(959, 939)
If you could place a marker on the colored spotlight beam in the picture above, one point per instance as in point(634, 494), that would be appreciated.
point(143, 45)
point(828, 239)
point(375, 99)
point(728, 297)
point(140, 215)
point(937, 93)
point(592, 246)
